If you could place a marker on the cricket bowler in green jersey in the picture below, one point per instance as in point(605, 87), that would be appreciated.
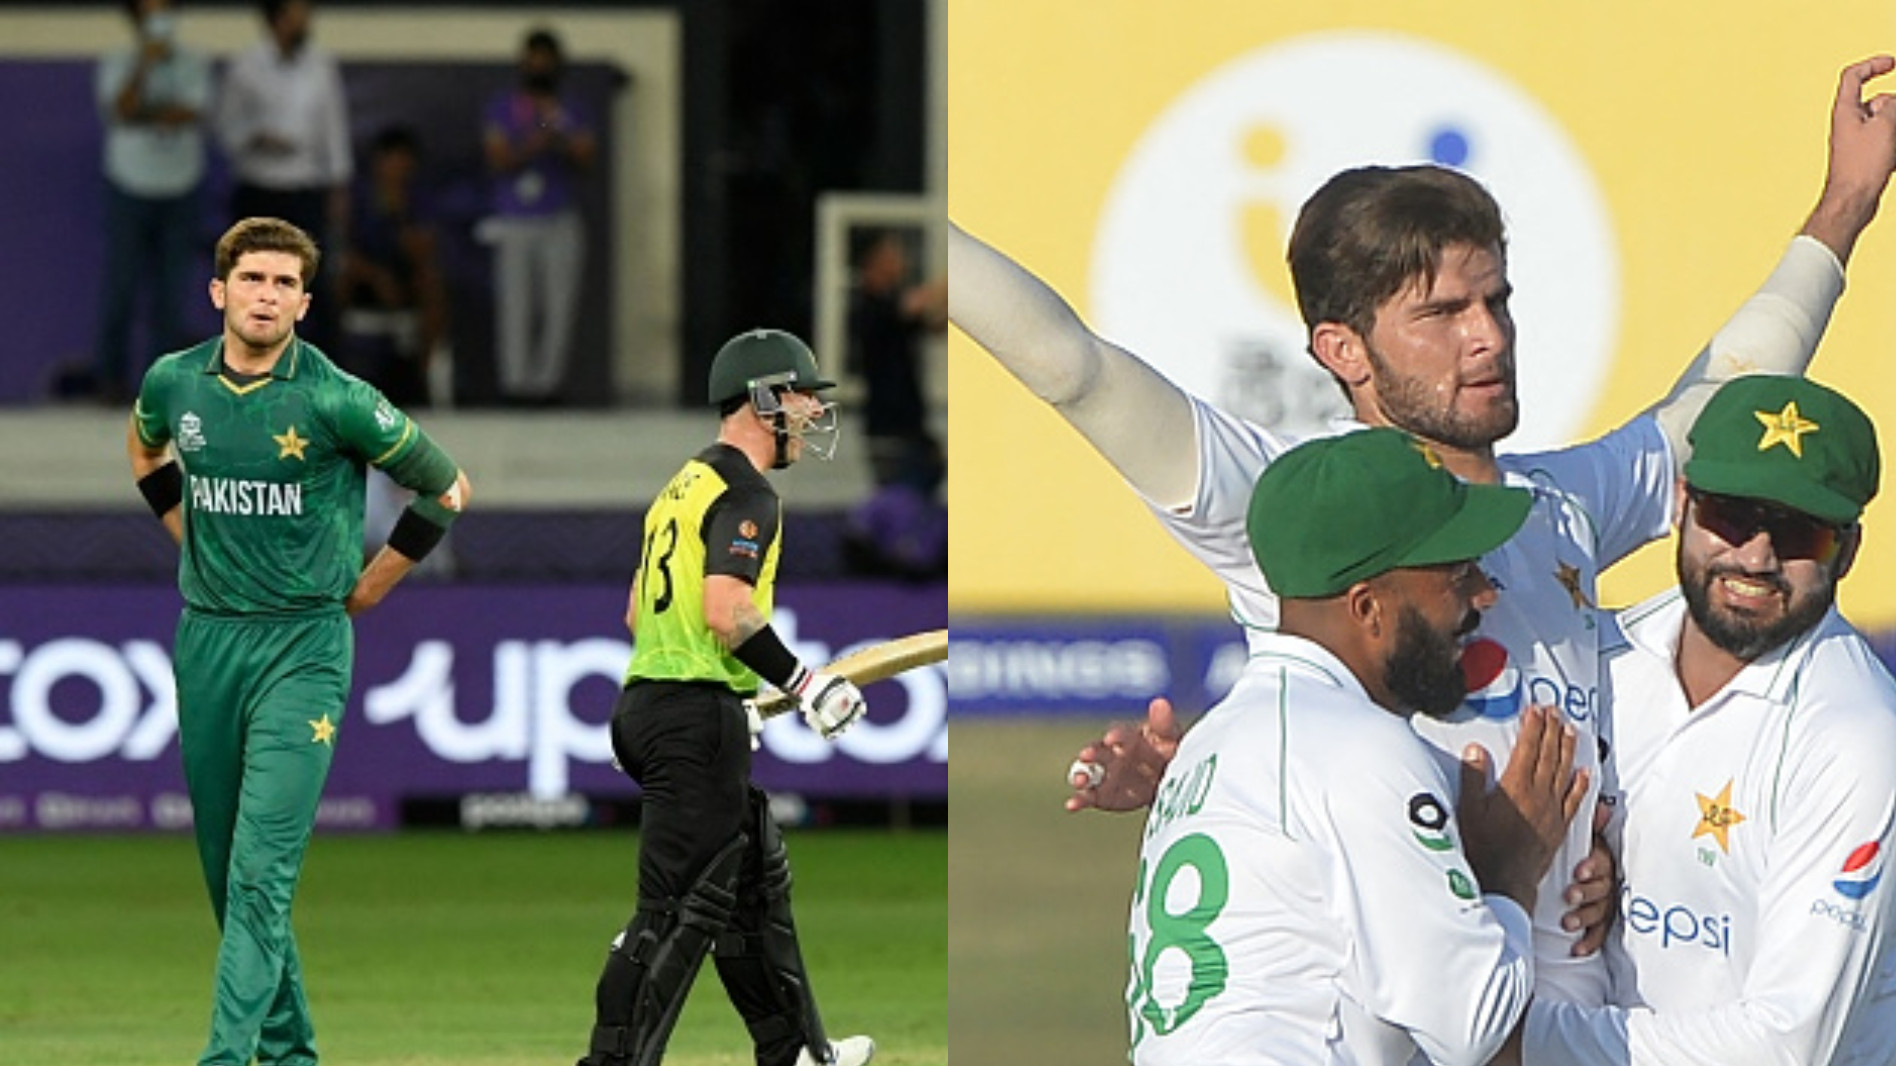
point(252, 448)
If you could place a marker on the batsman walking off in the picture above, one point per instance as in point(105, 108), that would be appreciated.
point(713, 874)
point(252, 447)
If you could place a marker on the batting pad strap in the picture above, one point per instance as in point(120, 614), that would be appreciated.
point(764, 653)
point(414, 535)
point(163, 488)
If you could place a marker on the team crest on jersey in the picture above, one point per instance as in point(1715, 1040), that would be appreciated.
point(289, 445)
point(1428, 820)
point(1462, 885)
point(1492, 679)
point(190, 432)
point(1861, 872)
point(385, 415)
point(747, 529)
point(1717, 817)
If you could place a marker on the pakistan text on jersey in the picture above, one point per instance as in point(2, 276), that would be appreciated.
point(222, 495)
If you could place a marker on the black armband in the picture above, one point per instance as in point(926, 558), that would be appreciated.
point(414, 536)
point(163, 488)
point(765, 654)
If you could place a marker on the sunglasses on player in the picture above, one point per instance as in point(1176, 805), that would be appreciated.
point(1794, 535)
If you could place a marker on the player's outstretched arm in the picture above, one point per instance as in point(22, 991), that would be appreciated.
point(1776, 331)
point(1130, 413)
point(1121, 770)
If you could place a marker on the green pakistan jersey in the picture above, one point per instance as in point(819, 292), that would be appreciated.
point(718, 515)
point(274, 475)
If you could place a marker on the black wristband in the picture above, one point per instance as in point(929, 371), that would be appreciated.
point(765, 654)
point(163, 488)
point(414, 536)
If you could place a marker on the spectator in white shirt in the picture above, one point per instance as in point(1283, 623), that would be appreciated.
point(151, 98)
point(284, 123)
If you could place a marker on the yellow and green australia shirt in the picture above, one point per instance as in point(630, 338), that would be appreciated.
point(718, 515)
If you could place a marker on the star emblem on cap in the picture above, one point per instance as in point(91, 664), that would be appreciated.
point(1717, 817)
point(323, 731)
point(290, 444)
point(1786, 427)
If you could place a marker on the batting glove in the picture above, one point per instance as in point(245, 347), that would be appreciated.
point(754, 722)
point(830, 704)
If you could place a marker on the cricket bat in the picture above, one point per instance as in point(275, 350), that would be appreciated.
point(875, 663)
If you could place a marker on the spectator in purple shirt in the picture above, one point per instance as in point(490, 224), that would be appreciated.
point(537, 147)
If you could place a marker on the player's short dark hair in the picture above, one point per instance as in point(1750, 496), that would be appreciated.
point(272, 8)
point(266, 235)
point(1371, 231)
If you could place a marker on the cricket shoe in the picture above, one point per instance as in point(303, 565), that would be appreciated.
point(849, 1051)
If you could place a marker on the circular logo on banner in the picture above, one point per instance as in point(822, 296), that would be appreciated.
point(1188, 267)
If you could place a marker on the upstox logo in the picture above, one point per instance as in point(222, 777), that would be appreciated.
point(1188, 261)
point(1675, 925)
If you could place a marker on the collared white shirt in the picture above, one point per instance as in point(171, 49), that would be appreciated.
point(144, 158)
point(1303, 897)
point(1593, 504)
point(298, 99)
point(1753, 833)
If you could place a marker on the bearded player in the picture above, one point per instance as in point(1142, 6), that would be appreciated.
point(1402, 282)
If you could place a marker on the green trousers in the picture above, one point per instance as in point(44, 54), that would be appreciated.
point(259, 701)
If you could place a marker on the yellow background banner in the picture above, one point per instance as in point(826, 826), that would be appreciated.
point(1683, 145)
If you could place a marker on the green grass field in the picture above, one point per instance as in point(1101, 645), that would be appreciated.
point(443, 949)
point(1037, 901)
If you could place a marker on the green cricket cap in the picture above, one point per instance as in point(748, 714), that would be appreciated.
point(1787, 440)
point(1332, 512)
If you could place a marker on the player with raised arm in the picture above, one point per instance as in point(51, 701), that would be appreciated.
point(713, 872)
point(1401, 278)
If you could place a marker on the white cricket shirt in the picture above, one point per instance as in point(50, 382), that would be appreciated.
point(299, 100)
point(1302, 895)
point(1593, 504)
point(1753, 833)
